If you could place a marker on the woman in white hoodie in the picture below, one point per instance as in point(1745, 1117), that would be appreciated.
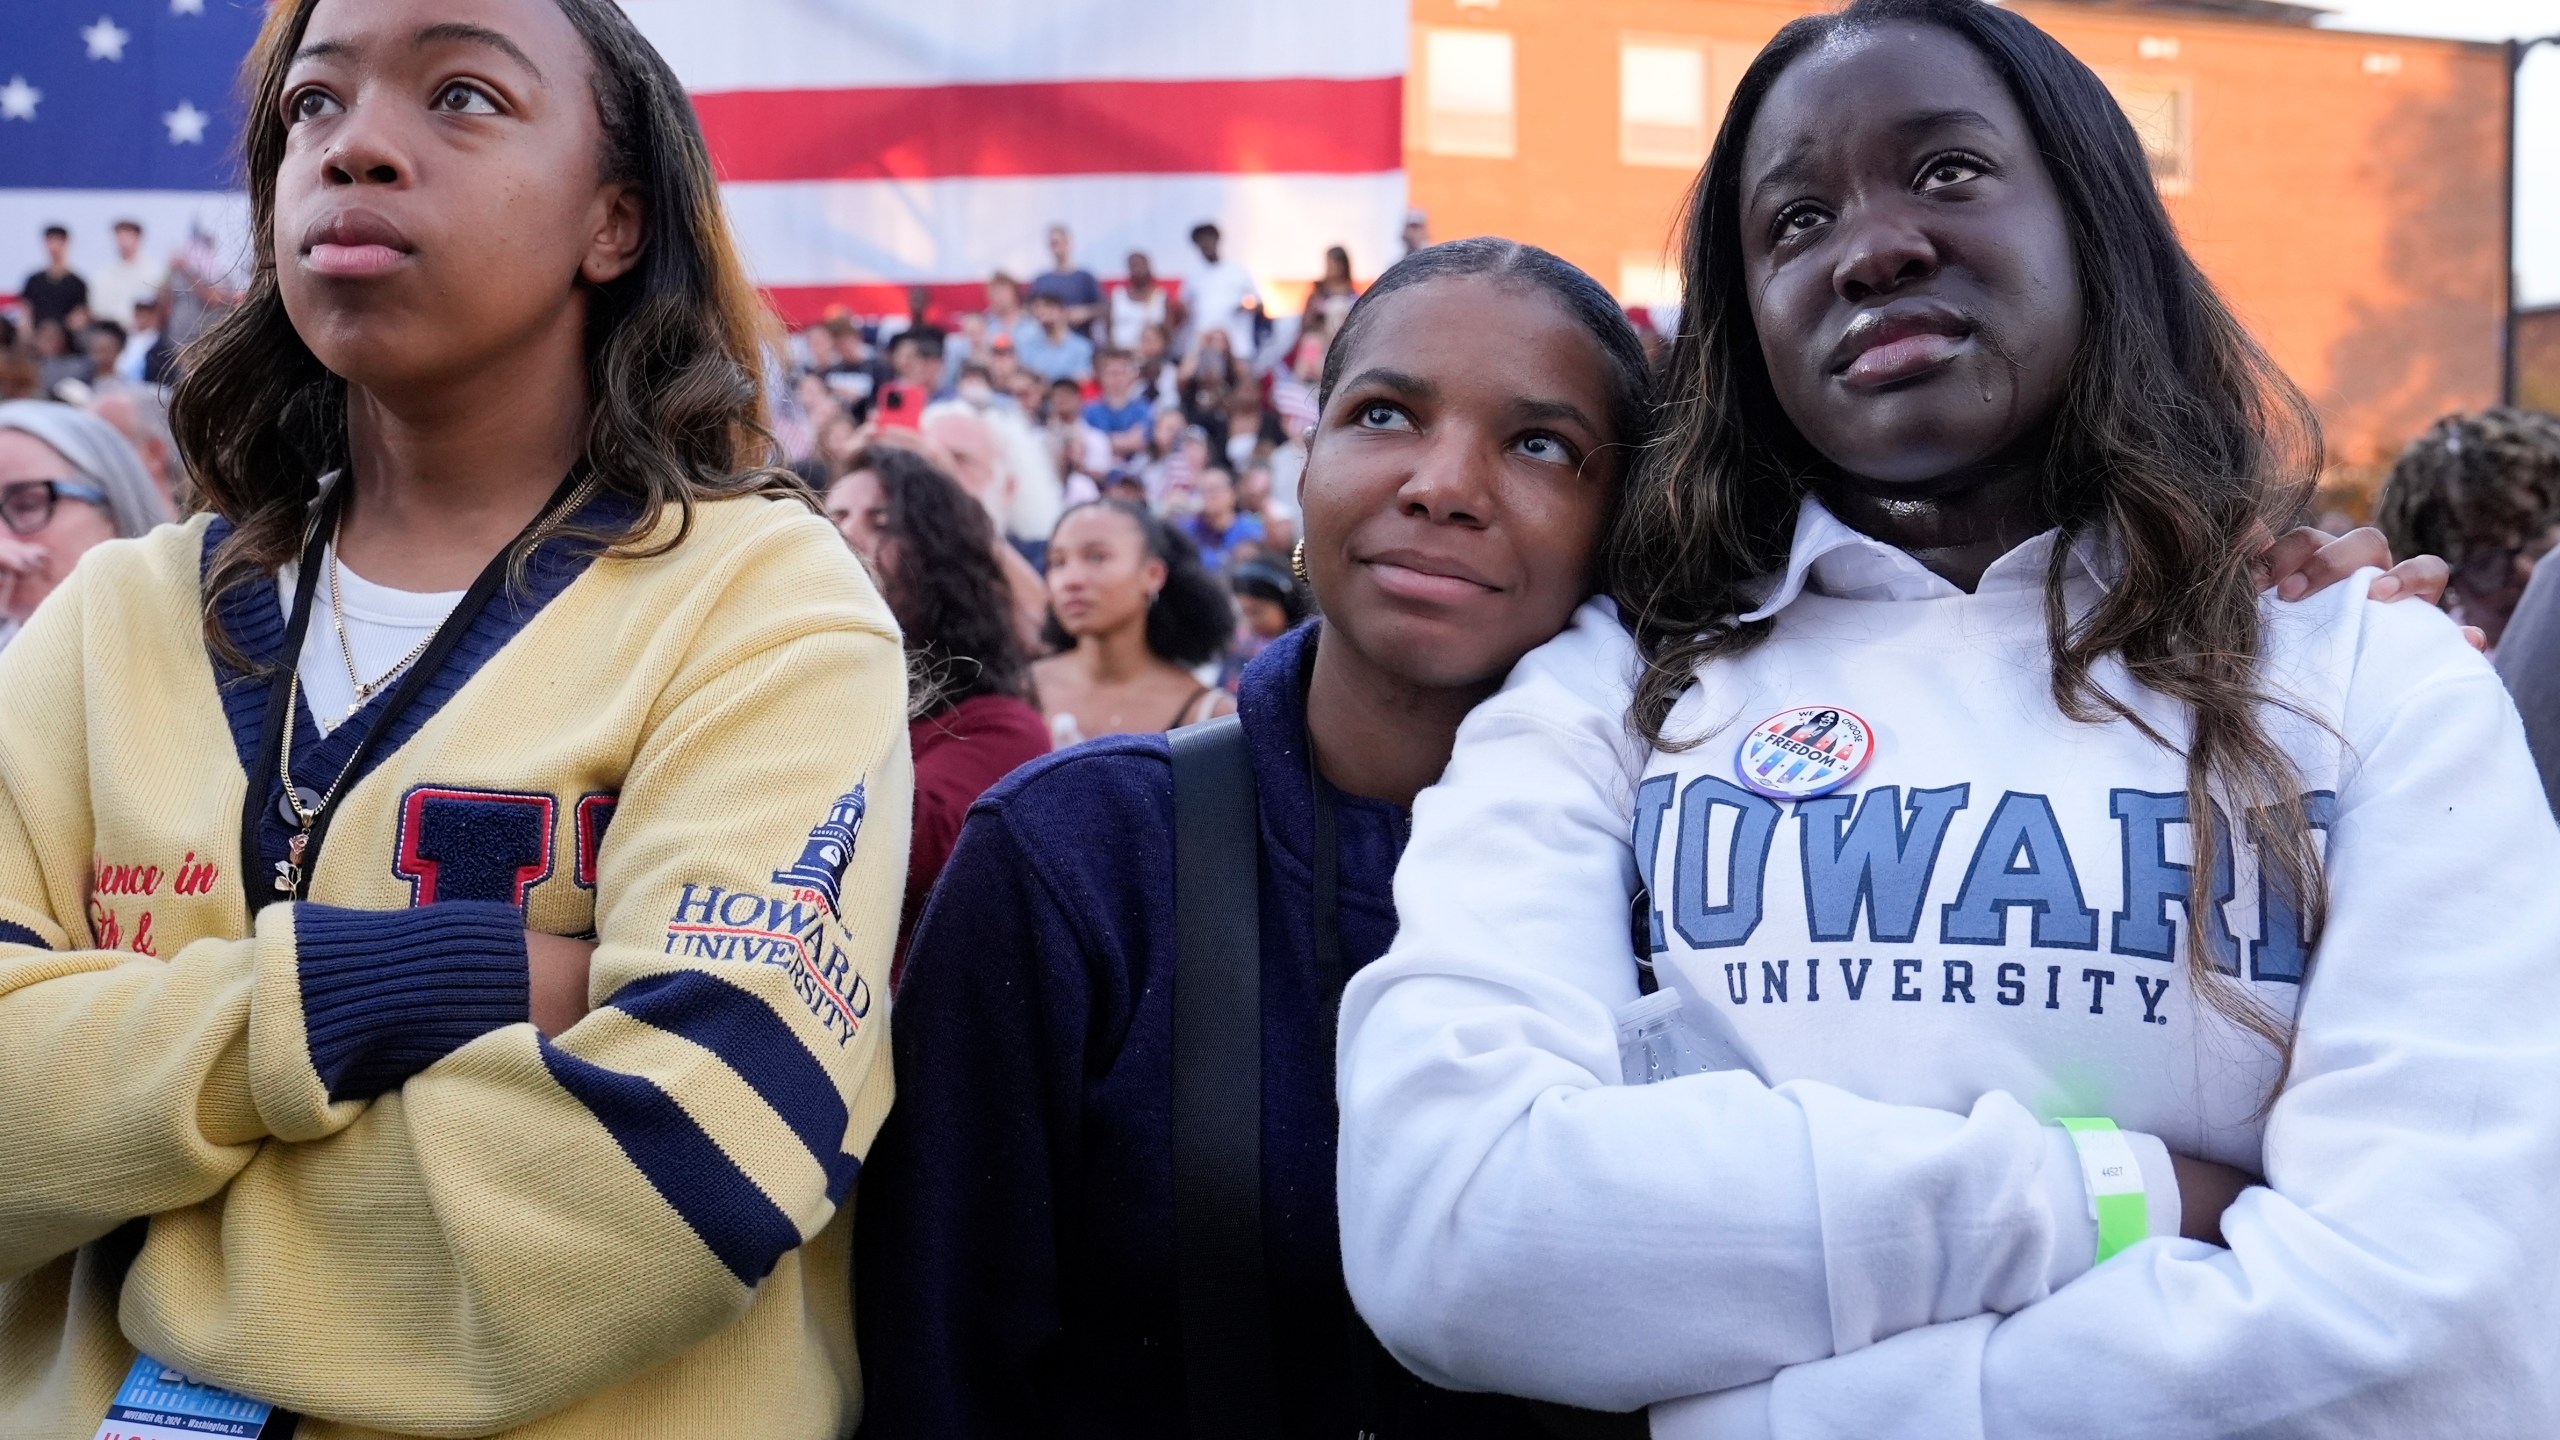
point(1939, 623)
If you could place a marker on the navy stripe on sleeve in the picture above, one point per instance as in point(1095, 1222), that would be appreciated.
point(736, 1220)
point(21, 935)
point(387, 993)
point(742, 1030)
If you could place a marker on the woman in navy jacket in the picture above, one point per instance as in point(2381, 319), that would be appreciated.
point(1016, 1221)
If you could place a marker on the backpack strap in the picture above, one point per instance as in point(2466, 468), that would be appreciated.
point(1219, 1266)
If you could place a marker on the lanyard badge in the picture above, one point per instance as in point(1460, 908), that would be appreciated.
point(159, 1403)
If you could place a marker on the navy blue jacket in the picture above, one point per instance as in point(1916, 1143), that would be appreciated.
point(1015, 1218)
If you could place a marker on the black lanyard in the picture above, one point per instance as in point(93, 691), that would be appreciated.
point(262, 789)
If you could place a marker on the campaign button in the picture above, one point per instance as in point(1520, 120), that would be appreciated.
point(1804, 752)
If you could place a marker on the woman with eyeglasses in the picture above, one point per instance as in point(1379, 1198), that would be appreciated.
point(68, 484)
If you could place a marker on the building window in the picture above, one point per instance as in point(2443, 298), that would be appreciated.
point(1467, 93)
point(2162, 112)
point(1662, 103)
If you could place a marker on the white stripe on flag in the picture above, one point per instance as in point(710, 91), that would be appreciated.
point(890, 231)
point(167, 217)
point(841, 44)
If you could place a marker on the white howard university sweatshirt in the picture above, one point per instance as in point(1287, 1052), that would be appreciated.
point(1871, 1229)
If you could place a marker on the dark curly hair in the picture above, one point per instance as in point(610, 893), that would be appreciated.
point(943, 583)
point(2475, 483)
point(1193, 617)
point(675, 347)
point(1263, 580)
point(2178, 439)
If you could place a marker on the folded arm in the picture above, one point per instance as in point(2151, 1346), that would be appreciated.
point(138, 1084)
point(1516, 1219)
point(2394, 1275)
point(642, 1174)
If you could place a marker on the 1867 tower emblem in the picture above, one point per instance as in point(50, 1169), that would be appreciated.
point(820, 867)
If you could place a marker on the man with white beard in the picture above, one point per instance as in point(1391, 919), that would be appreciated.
point(1020, 494)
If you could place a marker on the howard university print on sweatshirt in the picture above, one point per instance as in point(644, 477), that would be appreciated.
point(313, 1152)
point(1995, 882)
point(1866, 864)
point(1860, 1219)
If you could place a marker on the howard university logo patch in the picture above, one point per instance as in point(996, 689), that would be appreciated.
point(802, 932)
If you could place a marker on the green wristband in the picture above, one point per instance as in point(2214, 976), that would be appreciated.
point(2117, 1200)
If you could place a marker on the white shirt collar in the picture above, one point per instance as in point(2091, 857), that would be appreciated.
point(1829, 558)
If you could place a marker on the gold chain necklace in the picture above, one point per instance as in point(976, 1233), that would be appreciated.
point(365, 689)
point(289, 869)
point(306, 815)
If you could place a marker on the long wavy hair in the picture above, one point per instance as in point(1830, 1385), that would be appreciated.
point(943, 583)
point(676, 347)
point(2178, 440)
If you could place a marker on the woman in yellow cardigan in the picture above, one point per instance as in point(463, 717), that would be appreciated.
point(446, 894)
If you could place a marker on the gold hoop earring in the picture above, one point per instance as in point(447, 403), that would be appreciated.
point(1298, 560)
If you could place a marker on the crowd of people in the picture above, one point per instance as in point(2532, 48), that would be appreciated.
point(1185, 403)
point(1188, 402)
point(121, 322)
point(506, 1056)
point(85, 365)
point(1137, 447)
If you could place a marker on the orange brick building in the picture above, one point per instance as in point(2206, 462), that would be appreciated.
point(2343, 189)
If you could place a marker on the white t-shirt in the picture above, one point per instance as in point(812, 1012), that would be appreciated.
point(1130, 316)
point(135, 362)
point(383, 626)
point(116, 286)
point(1216, 294)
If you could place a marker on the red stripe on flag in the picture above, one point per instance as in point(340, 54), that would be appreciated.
point(1084, 127)
point(800, 305)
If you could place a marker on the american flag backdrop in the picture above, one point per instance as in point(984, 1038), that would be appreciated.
point(865, 145)
point(115, 109)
